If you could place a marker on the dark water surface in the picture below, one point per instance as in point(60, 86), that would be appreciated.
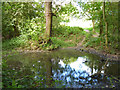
point(63, 68)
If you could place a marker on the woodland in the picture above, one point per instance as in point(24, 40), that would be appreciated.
point(29, 25)
point(36, 26)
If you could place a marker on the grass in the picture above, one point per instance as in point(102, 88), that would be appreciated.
point(63, 36)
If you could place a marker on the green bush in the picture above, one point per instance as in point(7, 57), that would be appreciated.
point(15, 42)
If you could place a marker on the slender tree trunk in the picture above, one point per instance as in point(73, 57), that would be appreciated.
point(118, 28)
point(106, 34)
point(93, 23)
point(101, 25)
point(48, 11)
point(106, 26)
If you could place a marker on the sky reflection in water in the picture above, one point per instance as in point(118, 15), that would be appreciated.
point(79, 66)
point(72, 68)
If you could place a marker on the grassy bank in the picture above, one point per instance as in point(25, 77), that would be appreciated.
point(62, 36)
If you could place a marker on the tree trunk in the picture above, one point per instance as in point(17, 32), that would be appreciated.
point(48, 12)
point(101, 25)
point(106, 26)
point(106, 34)
point(93, 23)
point(118, 28)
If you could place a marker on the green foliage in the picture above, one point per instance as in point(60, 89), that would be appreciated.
point(66, 30)
point(60, 43)
point(14, 16)
point(61, 36)
point(69, 9)
point(24, 27)
point(92, 42)
point(14, 43)
point(10, 79)
point(90, 29)
point(90, 9)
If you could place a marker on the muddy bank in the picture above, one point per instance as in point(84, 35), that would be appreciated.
point(102, 54)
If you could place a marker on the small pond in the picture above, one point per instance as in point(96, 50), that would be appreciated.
point(59, 69)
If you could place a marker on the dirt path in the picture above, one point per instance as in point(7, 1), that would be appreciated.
point(80, 44)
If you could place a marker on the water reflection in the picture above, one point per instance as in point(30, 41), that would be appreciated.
point(62, 68)
point(75, 74)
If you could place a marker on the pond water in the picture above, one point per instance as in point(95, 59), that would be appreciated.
point(61, 68)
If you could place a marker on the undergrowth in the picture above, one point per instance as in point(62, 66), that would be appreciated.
point(63, 36)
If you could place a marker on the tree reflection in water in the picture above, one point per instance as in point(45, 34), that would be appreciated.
point(76, 74)
point(64, 68)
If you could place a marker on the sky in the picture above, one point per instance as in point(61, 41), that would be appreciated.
point(79, 22)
